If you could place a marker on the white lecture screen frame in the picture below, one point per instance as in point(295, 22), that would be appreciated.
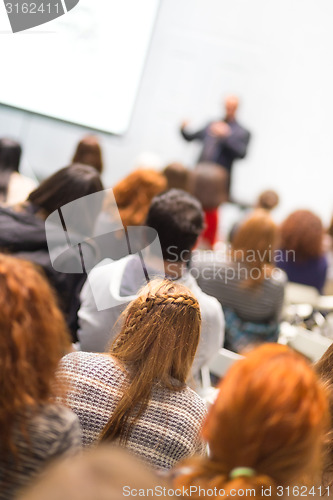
point(84, 67)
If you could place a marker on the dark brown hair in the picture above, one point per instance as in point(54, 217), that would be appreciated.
point(302, 232)
point(177, 176)
point(89, 152)
point(66, 185)
point(156, 344)
point(33, 338)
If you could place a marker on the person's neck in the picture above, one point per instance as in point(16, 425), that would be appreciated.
point(230, 119)
point(174, 270)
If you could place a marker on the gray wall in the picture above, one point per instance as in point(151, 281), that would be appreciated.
point(275, 55)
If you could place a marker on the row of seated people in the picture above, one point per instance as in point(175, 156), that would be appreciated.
point(244, 279)
point(269, 428)
point(137, 393)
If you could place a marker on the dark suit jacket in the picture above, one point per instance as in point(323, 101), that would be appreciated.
point(222, 151)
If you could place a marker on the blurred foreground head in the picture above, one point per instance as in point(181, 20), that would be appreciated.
point(270, 415)
point(103, 474)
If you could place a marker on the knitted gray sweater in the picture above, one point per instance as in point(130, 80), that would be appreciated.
point(166, 432)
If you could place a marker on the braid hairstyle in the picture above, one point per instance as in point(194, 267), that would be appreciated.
point(156, 345)
point(270, 415)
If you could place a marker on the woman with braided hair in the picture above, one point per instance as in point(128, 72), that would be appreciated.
point(265, 430)
point(136, 396)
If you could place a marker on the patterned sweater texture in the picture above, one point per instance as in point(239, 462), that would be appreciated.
point(53, 432)
point(164, 434)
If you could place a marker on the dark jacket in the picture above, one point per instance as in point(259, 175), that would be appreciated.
point(22, 234)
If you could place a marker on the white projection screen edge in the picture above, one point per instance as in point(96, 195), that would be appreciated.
point(88, 65)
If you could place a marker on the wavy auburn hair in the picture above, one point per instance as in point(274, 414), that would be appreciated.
point(157, 345)
point(271, 415)
point(303, 232)
point(134, 193)
point(33, 338)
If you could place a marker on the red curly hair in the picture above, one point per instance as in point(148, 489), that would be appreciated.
point(33, 338)
point(271, 415)
point(303, 233)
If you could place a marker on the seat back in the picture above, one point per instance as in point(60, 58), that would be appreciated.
point(311, 345)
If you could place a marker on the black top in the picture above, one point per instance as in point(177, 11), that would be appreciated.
point(22, 234)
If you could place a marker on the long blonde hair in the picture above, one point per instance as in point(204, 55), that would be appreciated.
point(157, 345)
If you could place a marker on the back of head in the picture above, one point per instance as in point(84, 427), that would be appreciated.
point(89, 152)
point(33, 338)
point(302, 232)
point(209, 185)
point(268, 200)
point(258, 233)
point(253, 244)
point(105, 473)
point(157, 344)
point(64, 186)
point(134, 193)
point(270, 417)
point(178, 219)
point(324, 368)
point(177, 176)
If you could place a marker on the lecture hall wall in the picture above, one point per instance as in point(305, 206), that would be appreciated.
point(275, 55)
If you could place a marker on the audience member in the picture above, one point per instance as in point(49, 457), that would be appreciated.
point(265, 431)
point(125, 206)
point(137, 395)
point(14, 187)
point(304, 259)
point(209, 185)
point(33, 338)
point(246, 283)
point(134, 193)
point(106, 473)
point(324, 368)
point(23, 231)
point(268, 200)
point(177, 176)
point(328, 248)
point(177, 218)
point(89, 152)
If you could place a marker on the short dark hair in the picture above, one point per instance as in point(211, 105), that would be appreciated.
point(10, 156)
point(178, 219)
point(66, 185)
